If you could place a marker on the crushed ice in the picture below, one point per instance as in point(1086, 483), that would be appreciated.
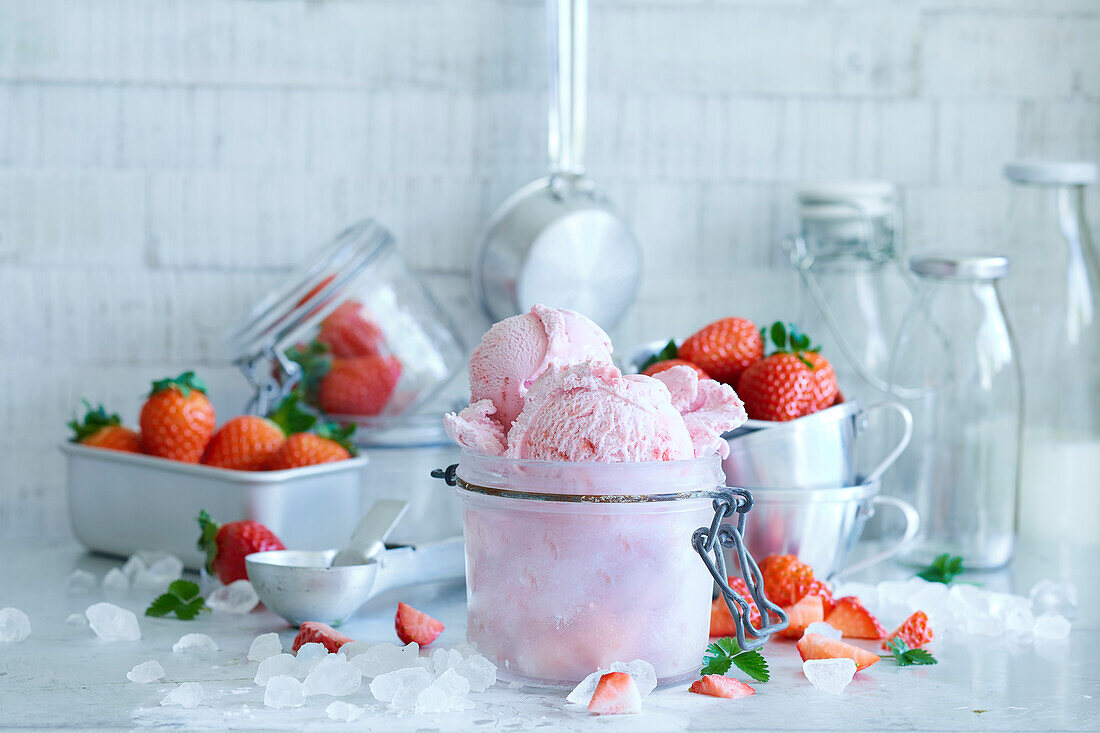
point(14, 625)
point(343, 712)
point(264, 646)
point(188, 695)
point(238, 597)
point(333, 675)
point(284, 691)
point(146, 672)
point(80, 581)
point(829, 675)
point(111, 623)
point(645, 677)
point(115, 581)
point(195, 643)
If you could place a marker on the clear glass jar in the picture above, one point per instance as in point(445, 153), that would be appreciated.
point(853, 288)
point(354, 328)
point(1053, 305)
point(955, 368)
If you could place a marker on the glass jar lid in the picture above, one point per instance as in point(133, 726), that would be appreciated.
point(1051, 172)
point(974, 267)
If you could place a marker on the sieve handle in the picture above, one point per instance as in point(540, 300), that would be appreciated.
point(567, 22)
point(907, 435)
point(912, 525)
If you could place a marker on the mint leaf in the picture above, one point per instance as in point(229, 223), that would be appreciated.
point(754, 665)
point(906, 657)
point(185, 590)
point(943, 569)
point(188, 611)
point(163, 605)
point(182, 599)
point(725, 653)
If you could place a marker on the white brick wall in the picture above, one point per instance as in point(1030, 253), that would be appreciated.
point(163, 161)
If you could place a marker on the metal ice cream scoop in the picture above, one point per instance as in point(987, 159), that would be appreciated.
point(330, 585)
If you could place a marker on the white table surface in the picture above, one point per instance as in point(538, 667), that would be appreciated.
point(63, 676)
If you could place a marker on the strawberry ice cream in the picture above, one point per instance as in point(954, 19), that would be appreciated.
point(518, 350)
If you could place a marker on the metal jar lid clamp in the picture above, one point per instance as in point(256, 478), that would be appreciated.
point(707, 541)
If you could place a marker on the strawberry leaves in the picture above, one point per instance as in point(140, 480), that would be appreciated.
point(788, 339)
point(906, 657)
point(95, 419)
point(725, 653)
point(668, 352)
point(339, 434)
point(182, 599)
point(290, 416)
point(185, 383)
point(943, 569)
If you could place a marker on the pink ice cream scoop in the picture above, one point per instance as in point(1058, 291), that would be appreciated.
point(709, 408)
point(518, 350)
point(591, 412)
point(476, 428)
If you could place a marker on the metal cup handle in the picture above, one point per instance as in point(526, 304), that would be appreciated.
point(912, 525)
point(907, 435)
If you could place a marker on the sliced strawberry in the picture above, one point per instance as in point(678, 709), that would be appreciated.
point(413, 625)
point(817, 588)
point(914, 631)
point(816, 646)
point(314, 632)
point(615, 693)
point(854, 620)
point(717, 685)
point(802, 614)
point(721, 620)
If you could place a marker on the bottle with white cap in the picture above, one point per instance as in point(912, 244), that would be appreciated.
point(954, 367)
point(1054, 304)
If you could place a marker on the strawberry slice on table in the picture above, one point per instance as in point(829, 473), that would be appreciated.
point(853, 620)
point(660, 366)
point(717, 685)
point(226, 546)
point(616, 693)
point(249, 442)
point(101, 430)
point(413, 625)
point(914, 631)
point(177, 420)
point(329, 444)
point(816, 646)
point(721, 620)
point(359, 386)
point(807, 611)
point(314, 632)
point(724, 349)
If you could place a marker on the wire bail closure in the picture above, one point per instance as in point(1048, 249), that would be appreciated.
point(706, 541)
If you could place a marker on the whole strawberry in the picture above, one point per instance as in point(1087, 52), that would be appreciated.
point(329, 444)
point(227, 546)
point(348, 334)
point(177, 419)
point(791, 382)
point(100, 430)
point(661, 366)
point(249, 442)
point(360, 386)
point(724, 349)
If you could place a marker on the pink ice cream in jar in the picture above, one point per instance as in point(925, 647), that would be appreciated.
point(557, 588)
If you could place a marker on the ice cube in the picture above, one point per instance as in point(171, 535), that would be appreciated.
point(1020, 622)
point(111, 623)
point(386, 657)
point(433, 699)
point(133, 565)
point(76, 619)
point(1058, 597)
point(865, 592)
point(237, 597)
point(195, 643)
point(115, 581)
point(444, 659)
point(820, 627)
point(188, 695)
point(14, 625)
point(829, 675)
point(283, 691)
point(80, 581)
point(308, 656)
point(1051, 626)
point(159, 573)
point(466, 648)
point(146, 672)
point(343, 712)
point(264, 646)
point(280, 664)
point(479, 671)
point(385, 686)
point(333, 675)
point(453, 683)
point(353, 649)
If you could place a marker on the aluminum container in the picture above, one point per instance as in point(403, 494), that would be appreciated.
point(120, 503)
point(822, 526)
point(817, 451)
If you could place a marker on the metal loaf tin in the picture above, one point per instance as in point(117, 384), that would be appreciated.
point(120, 503)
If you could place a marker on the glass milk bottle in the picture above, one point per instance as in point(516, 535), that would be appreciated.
point(954, 367)
point(1053, 305)
point(854, 289)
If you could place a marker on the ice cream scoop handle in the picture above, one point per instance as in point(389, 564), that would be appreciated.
point(427, 563)
point(567, 22)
